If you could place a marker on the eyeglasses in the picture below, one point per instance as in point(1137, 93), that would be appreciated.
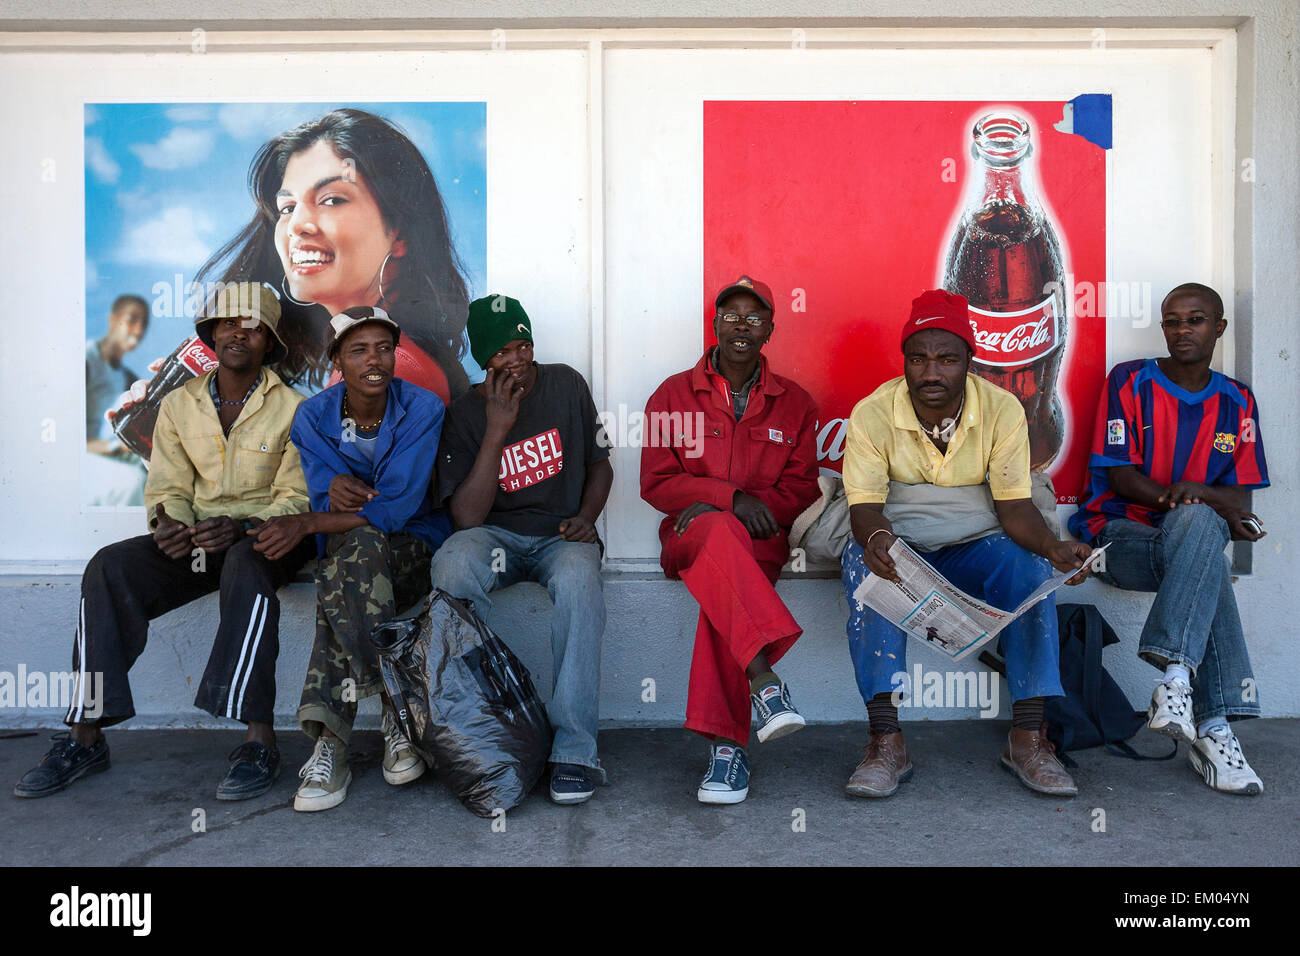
point(754, 320)
point(1192, 322)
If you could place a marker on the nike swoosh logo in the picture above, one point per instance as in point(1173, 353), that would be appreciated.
point(932, 318)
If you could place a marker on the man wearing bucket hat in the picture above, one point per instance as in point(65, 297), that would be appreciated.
point(222, 464)
point(524, 470)
point(368, 447)
point(731, 460)
point(940, 458)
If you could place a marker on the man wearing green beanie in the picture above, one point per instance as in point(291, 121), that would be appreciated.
point(524, 471)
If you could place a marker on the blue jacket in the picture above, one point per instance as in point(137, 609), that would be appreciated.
point(405, 451)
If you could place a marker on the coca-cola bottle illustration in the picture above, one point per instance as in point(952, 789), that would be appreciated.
point(135, 425)
point(1005, 259)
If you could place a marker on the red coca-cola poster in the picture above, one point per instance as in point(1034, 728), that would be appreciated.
point(851, 209)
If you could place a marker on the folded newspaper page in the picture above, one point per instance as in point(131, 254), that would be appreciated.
point(939, 615)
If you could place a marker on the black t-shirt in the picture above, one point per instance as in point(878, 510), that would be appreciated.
point(544, 462)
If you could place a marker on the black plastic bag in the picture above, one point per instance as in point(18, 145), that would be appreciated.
point(465, 702)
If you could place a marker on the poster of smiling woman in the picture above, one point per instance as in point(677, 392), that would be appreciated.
point(326, 205)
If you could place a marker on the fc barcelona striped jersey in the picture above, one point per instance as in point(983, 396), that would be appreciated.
point(1211, 437)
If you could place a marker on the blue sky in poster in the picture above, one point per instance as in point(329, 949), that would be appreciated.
point(166, 186)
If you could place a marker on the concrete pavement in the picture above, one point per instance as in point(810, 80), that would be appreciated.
point(960, 808)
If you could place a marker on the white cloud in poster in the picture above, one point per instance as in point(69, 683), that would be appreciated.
point(91, 115)
point(179, 236)
point(255, 121)
point(102, 165)
point(189, 113)
point(180, 148)
point(92, 274)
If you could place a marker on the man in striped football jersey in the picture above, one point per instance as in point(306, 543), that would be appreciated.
point(1176, 448)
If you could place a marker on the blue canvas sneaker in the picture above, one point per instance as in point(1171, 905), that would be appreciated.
point(570, 783)
point(727, 779)
point(776, 714)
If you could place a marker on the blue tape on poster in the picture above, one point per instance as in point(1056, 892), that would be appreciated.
point(1088, 115)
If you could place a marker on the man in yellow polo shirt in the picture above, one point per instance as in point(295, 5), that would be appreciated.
point(948, 453)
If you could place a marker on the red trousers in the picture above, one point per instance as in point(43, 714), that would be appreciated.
point(740, 615)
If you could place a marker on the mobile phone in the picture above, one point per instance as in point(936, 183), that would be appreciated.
point(1252, 525)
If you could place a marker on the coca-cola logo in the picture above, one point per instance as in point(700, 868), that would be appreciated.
point(1015, 338)
point(198, 358)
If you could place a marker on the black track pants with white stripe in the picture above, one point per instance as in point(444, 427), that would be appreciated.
point(128, 584)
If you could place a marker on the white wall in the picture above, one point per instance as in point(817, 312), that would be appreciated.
point(597, 114)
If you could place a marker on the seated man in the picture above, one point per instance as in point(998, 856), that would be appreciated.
point(368, 446)
point(730, 497)
point(524, 470)
point(1175, 449)
point(222, 465)
point(936, 428)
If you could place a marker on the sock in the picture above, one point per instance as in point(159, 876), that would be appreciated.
point(1027, 714)
point(762, 680)
point(1178, 672)
point(726, 742)
point(883, 714)
point(1204, 727)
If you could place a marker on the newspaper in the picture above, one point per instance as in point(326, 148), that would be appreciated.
point(939, 615)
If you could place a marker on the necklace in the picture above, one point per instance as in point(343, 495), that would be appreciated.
point(360, 427)
point(946, 429)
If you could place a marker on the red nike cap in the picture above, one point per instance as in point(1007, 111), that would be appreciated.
point(938, 309)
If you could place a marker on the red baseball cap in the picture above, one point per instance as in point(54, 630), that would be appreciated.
point(937, 309)
point(752, 286)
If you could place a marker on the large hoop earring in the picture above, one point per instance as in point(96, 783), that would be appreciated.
point(382, 266)
point(289, 295)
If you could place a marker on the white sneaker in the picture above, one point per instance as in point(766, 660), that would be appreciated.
point(1170, 712)
point(1217, 757)
point(325, 777)
point(401, 763)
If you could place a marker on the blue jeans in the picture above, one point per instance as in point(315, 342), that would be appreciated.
point(994, 569)
point(1194, 619)
point(570, 572)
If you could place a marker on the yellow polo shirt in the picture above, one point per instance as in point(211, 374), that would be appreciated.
point(885, 443)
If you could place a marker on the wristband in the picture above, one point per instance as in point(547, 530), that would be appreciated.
point(876, 532)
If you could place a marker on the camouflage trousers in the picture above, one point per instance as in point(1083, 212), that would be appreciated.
point(365, 578)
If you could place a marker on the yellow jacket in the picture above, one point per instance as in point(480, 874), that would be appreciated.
point(254, 472)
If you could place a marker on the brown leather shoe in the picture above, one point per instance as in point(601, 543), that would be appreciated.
point(1032, 758)
point(884, 766)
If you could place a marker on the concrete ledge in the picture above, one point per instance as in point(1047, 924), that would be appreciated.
point(649, 636)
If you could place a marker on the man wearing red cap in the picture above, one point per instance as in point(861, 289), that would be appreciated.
point(731, 459)
point(941, 458)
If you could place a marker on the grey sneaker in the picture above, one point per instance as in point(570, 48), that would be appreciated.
point(401, 763)
point(1170, 712)
point(1217, 757)
point(325, 777)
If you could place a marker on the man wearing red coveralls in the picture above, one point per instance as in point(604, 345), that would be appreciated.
point(731, 459)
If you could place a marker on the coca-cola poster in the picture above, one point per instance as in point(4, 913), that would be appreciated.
point(850, 209)
point(183, 197)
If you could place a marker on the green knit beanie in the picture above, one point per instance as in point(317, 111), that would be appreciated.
point(493, 321)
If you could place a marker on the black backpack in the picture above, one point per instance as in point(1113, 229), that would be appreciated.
point(1094, 710)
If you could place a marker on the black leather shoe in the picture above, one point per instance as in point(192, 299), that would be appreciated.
point(253, 768)
point(65, 762)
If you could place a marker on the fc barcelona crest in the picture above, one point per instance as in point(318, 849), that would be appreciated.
point(1225, 442)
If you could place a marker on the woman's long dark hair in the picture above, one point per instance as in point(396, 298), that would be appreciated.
point(430, 301)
